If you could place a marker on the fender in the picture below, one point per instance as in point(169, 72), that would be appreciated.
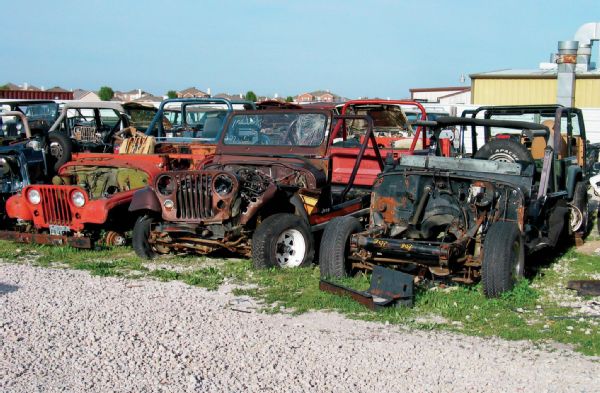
point(145, 199)
point(17, 208)
point(573, 174)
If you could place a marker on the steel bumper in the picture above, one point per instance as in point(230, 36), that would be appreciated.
point(43, 238)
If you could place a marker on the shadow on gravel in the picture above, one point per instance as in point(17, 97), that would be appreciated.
point(7, 288)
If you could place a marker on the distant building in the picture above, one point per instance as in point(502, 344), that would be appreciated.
point(192, 92)
point(533, 87)
point(442, 95)
point(85, 95)
point(30, 92)
point(149, 98)
point(130, 95)
point(229, 96)
point(317, 96)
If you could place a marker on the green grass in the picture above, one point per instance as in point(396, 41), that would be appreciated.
point(529, 312)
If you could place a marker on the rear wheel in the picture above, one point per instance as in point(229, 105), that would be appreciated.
point(578, 209)
point(282, 240)
point(503, 258)
point(335, 245)
point(140, 238)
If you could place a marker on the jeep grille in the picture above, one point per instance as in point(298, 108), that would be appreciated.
point(55, 206)
point(194, 196)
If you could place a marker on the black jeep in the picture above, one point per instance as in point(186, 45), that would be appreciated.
point(466, 218)
point(22, 157)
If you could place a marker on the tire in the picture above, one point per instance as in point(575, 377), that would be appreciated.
point(140, 236)
point(282, 240)
point(579, 218)
point(334, 246)
point(60, 149)
point(504, 150)
point(503, 258)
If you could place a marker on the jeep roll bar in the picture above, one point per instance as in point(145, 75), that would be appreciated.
point(390, 102)
point(369, 137)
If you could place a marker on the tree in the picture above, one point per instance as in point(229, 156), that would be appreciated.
point(106, 93)
point(4, 87)
point(289, 99)
point(172, 94)
point(250, 96)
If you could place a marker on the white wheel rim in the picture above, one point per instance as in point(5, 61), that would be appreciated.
point(575, 218)
point(502, 157)
point(290, 248)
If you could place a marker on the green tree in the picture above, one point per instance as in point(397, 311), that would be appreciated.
point(289, 99)
point(4, 87)
point(172, 94)
point(106, 93)
point(250, 96)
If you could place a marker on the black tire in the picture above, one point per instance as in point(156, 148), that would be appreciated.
point(504, 150)
point(60, 150)
point(580, 201)
point(334, 246)
point(503, 258)
point(277, 243)
point(140, 236)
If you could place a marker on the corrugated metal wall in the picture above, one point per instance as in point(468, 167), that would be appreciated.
point(587, 93)
point(522, 91)
point(513, 91)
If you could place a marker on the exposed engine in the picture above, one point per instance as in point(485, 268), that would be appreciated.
point(103, 182)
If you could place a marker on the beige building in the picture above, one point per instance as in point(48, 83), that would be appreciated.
point(531, 87)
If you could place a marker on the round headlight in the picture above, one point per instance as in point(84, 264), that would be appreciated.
point(165, 184)
point(34, 196)
point(223, 185)
point(78, 198)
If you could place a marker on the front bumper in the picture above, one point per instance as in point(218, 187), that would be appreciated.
point(57, 209)
point(43, 238)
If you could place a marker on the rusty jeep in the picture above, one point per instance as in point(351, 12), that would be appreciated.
point(86, 204)
point(278, 176)
point(461, 218)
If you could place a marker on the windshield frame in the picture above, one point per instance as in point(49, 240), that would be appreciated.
point(262, 150)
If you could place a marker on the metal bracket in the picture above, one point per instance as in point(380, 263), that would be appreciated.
point(388, 287)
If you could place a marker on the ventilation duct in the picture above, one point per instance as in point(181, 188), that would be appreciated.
point(586, 35)
point(566, 59)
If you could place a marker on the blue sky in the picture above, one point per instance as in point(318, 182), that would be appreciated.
point(353, 48)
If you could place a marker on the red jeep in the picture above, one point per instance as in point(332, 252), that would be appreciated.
point(277, 177)
point(89, 198)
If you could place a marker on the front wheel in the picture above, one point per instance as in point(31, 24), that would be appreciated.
point(140, 238)
point(282, 240)
point(503, 258)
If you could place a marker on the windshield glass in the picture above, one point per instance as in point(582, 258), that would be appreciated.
point(277, 129)
point(43, 111)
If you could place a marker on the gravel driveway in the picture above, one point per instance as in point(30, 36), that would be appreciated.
point(64, 330)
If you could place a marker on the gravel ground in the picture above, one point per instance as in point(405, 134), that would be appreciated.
point(64, 330)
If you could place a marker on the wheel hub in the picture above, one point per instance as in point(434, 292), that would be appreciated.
point(290, 249)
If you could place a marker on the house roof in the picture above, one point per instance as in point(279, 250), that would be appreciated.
point(135, 91)
point(456, 93)
point(430, 89)
point(192, 90)
point(57, 89)
point(149, 98)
